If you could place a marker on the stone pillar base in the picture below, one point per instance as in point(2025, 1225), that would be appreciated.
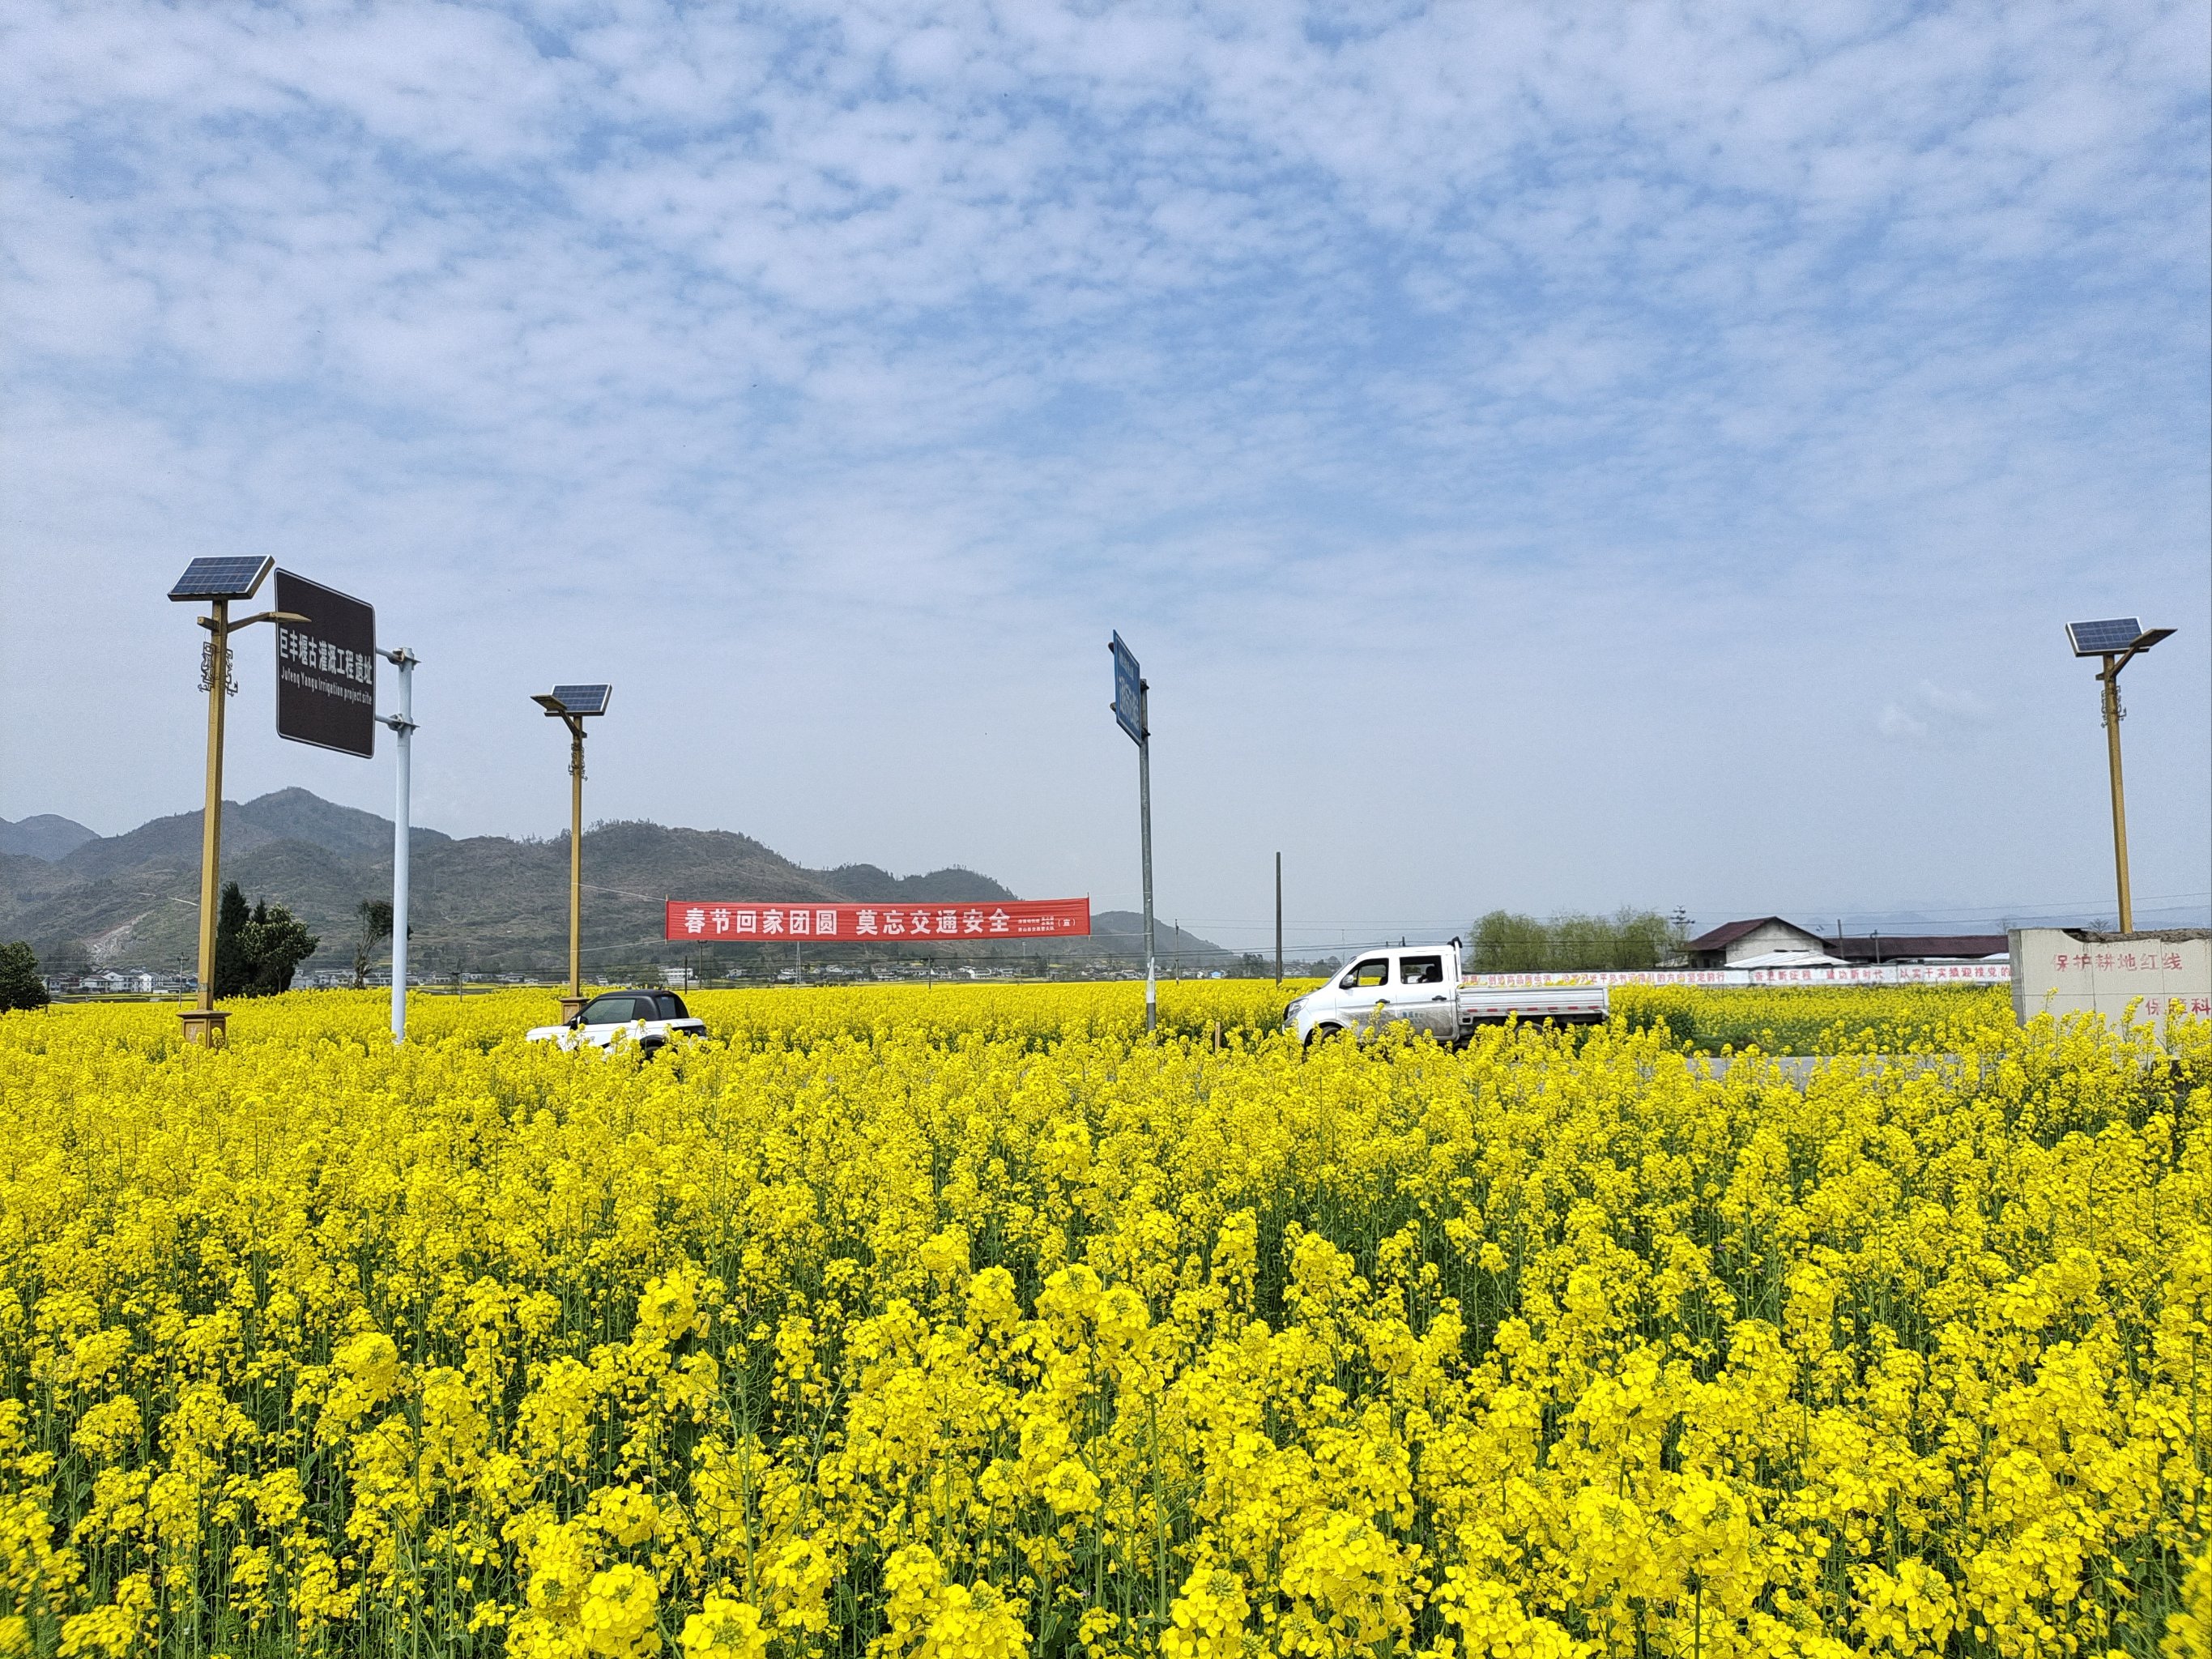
point(572, 1007)
point(205, 1026)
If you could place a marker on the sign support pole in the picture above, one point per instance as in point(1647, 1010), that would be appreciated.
point(2111, 677)
point(204, 1023)
point(403, 725)
point(1144, 812)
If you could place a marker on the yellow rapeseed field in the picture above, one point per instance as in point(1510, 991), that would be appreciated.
point(972, 1324)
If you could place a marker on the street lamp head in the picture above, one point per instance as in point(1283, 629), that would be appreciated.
point(2112, 636)
point(228, 576)
point(567, 701)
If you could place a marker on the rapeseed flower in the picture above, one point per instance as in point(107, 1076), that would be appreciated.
point(974, 1324)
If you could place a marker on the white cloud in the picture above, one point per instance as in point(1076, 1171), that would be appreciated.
point(868, 339)
point(1928, 711)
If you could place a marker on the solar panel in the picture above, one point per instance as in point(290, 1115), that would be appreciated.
point(228, 577)
point(2095, 639)
point(583, 699)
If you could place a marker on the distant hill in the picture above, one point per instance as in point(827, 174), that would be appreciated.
point(44, 836)
point(286, 815)
point(486, 903)
point(1122, 934)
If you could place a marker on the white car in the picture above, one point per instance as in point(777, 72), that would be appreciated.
point(651, 1019)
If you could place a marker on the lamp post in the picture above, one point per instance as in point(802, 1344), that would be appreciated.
point(2118, 640)
point(403, 724)
point(218, 581)
point(573, 705)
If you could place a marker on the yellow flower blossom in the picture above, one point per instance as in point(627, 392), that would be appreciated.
point(912, 1323)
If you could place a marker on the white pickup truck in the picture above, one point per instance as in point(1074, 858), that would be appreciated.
point(652, 1019)
point(1421, 985)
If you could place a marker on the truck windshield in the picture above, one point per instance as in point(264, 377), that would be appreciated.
point(1376, 970)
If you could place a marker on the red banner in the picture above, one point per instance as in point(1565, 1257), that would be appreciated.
point(751, 922)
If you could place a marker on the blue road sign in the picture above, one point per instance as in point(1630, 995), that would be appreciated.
point(1128, 691)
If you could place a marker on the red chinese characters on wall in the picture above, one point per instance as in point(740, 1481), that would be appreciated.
point(2123, 961)
point(751, 921)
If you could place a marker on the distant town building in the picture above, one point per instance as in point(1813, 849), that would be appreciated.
point(1918, 947)
point(1734, 943)
point(1773, 942)
point(117, 982)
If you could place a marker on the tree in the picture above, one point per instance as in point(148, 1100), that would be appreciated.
point(1503, 942)
point(375, 918)
point(274, 944)
point(20, 984)
point(232, 968)
point(1627, 940)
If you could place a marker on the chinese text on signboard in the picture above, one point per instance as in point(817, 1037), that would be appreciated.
point(325, 668)
point(751, 922)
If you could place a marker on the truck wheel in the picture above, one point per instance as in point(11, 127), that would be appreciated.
point(1321, 1034)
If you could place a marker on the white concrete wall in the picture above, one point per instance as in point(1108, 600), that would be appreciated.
point(2073, 970)
point(1774, 936)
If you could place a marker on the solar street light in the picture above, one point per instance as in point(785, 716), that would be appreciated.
point(2118, 640)
point(217, 581)
point(226, 577)
point(573, 705)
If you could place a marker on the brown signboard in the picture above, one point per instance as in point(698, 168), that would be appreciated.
point(325, 668)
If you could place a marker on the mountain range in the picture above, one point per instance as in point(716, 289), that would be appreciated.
point(483, 903)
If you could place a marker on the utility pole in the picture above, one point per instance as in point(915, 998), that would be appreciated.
point(1279, 918)
point(403, 725)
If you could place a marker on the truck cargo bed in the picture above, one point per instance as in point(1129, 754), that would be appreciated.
point(1487, 1006)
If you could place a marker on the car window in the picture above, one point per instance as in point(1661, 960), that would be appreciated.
point(1421, 971)
point(671, 1006)
point(612, 1011)
point(1376, 970)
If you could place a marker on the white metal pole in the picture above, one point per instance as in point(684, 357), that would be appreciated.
point(403, 724)
point(1145, 811)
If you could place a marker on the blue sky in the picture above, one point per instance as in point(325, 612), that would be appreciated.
point(1550, 458)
